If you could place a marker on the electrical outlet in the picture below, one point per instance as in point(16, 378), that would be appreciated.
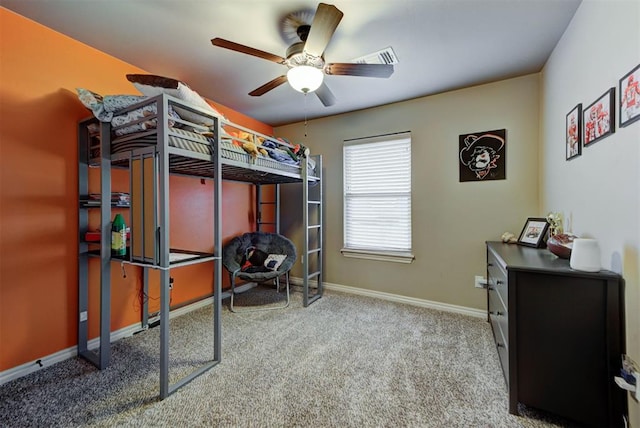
point(480, 282)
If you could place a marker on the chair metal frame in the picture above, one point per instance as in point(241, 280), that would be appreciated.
point(232, 263)
point(234, 275)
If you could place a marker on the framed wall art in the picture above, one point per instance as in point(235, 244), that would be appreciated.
point(574, 132)
point(629, 89)
point(598, 120)
point(534, 232)
point(482, 155)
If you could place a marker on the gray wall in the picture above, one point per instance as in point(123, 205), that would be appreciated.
point(451, 220)
point(599, 192)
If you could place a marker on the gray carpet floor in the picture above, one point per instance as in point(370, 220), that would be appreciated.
point(345, 361)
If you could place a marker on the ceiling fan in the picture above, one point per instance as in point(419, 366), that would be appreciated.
point(305, 59)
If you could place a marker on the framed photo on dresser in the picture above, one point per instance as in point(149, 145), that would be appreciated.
point(534, 232)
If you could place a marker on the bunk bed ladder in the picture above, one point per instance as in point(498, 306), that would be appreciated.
point(313, 241)
point(260, 203)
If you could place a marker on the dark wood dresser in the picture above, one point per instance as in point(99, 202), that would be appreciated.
point(559, 334)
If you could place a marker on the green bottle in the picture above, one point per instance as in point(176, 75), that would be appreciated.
point(118, 236)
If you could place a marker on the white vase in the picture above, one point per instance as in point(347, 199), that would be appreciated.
point(585, 255)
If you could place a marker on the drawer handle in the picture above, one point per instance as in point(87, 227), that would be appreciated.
point(500, 345)
point(490, 287)
point(489, 264)
point(496, 313)
point(500, 282)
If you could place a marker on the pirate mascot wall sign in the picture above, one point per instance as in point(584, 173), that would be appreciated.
point(483, 156)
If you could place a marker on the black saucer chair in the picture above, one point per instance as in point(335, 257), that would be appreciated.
point(259, 257)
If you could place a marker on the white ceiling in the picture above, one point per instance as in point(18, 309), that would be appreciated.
point(441, 45)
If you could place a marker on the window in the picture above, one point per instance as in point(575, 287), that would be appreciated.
point(377, 197)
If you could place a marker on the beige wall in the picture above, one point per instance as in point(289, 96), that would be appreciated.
point(451, 220)
point(600, 190)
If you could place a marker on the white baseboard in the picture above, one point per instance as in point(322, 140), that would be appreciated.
point(49, 360)
point(478, 313)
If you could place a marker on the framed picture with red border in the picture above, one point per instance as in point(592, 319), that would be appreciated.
point(598, 120)
point(574, 132)
point(630, 97)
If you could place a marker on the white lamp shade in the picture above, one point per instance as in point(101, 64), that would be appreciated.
point(304, 78)
point(585, 255)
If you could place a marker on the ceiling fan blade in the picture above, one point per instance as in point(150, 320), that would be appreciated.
point(325, 95)
point(268, 86)
point(365, 70)
point(324, 23)
point(246, 50)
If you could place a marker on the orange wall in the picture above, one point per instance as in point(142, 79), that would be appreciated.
point(39, 111)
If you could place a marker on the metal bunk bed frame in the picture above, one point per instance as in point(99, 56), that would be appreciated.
point(219, 169)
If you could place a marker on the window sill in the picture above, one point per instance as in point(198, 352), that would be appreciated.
point(383, 256)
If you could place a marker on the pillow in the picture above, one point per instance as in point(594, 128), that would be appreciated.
point(94, 102)
point(104, 107)
point(253, 257)
point(274, 261)
point(152, 85)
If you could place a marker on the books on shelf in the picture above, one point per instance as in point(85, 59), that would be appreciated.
point(118, 199)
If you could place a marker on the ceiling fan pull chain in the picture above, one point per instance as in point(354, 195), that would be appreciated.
point(305, 116)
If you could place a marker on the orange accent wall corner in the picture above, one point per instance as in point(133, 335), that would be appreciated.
point(39, 111)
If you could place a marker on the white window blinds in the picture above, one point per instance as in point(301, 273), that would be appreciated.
point(377, 193)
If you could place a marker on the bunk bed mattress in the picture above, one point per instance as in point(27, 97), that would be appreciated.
point(233, 152)
point(195, 142)
point(179, 138)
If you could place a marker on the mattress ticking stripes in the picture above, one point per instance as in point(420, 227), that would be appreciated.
point(198, 143)
point(179, 138)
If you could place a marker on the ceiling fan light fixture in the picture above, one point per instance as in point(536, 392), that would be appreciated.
point(305, 78)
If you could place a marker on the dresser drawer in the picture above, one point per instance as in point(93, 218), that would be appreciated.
point(503, 354)
point(497, 290)
point(498, 314)
point(498, 318)
point(497, 278)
